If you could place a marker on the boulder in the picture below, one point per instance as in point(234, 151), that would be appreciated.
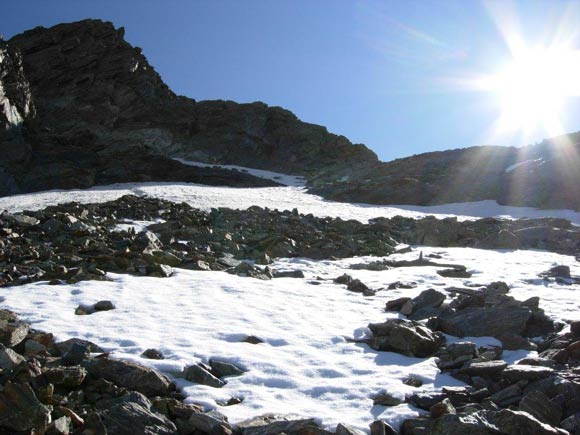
point(200, 375)
point(520, 422)
point(9, 359)
point(480, 322)
point(272, 424)
point(131, 376)
point(132, 418)
point(405, 337)
point(221, 369)
point(20, 410)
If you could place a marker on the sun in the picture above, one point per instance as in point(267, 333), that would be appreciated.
point(532, 89)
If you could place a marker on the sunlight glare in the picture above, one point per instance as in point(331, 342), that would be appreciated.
point(534, 87)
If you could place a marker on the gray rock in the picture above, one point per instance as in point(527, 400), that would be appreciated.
point(9, 359)
point(220, 369)
point(13, 333)
point(66, 346)
point(152, 354)
point(405, 337)
point(69, 377)
point(130, 376)
point(200, 375)
point(380, 427)
point(484, 368)
point(132, 418)
point(20, 410)
point(208, 422)
point(541, 407)
point(386, 399)
point(272, 424)
point(442, 408)
point(508, 396)
point(343, 429)
point(518, 372)
point(476, 423)
point(519, 422)
point(462, 348)
point(479, 322)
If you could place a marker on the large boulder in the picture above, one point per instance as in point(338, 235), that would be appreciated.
point(405, 337)
point(131, 376)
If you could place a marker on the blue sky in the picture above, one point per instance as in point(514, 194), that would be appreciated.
point(382, 73)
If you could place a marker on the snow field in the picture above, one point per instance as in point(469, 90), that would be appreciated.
point(306, 365)
point(281, 198)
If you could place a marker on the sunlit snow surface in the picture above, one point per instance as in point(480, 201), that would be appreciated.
point(306, 365)
point(281, 198)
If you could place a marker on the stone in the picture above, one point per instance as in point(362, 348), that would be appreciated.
point(77, 353)
point(104, 306)
point(571, 424)
point(476, 423)
point(386, 399)
point(60, 426)
point(221, 369)
point(131, 376)
point(481, 322)
point(508, 396)
point(199, 375)
point(13, 333)
point(462, 348)
point(425, 399)
point(511, 341)
point(252, 339)
point(519, 422)
point(69, 377)
point(32, 348)
point(343, 429)
point(9, 359)
point(272, 424)
point(442, 408)
point(66, 346)
point(208, 422)
point(152, 354)
point(396, 304)
point(133, 418)
point(380, 427)
point(20, 410)
point(541, 407)
point(518, 372)
point(405, 337)
point(289, 274)
point(413, 381)
point(558, 272)
point(575, 328)
point(454, 273)
point(484, 368)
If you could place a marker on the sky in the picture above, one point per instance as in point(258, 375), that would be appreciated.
point(402, 77)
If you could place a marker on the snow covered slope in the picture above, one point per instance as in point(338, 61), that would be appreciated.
point(281, 198)
point(306, 365)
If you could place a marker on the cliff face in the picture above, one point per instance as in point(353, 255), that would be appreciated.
point(80, 106)
point(94, 90)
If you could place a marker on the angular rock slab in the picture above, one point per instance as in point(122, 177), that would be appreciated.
point(405, 337)
point(131, 376)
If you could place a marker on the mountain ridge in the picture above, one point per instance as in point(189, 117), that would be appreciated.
point(102, 114)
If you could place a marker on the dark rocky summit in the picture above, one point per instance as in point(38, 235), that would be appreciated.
point(83, 107)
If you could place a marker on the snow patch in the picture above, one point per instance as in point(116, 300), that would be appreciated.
point(287, 180)
point(525, 162)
